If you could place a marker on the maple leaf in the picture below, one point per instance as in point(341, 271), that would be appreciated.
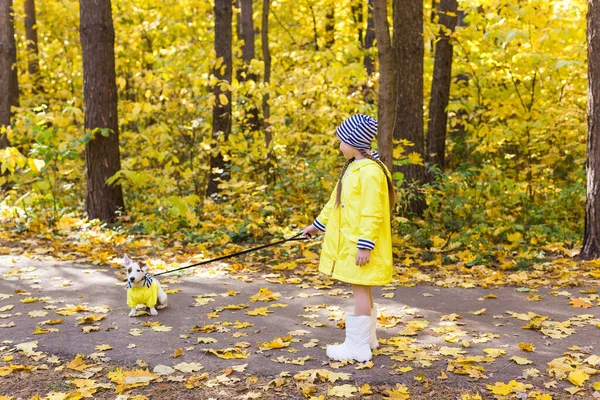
point(40, 331)
point(450, 317)
point(580, 303)
point(229, 353)
point(578, 377)
point(277, 343)
point(342, 391)
point(177, 352)
point(37, 313)
point(52, 322)
point(162, 328)
point(188, 367)
point(399, 393)
point(451, 351)
point(90, 319)
point(88, 329)
point(262, 311)
point(526, 346)
point(78, 364)
point(494, 352)
point(502, 388)
point(264, 294)
point(163, 370)
point(324, 375)
point(521, 360)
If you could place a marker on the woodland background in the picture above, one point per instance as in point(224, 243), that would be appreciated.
point(512, 184)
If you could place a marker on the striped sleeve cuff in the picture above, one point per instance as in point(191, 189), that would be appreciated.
point(365, 244)
point(319, 225)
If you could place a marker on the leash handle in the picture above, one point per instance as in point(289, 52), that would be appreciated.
point(295, 237)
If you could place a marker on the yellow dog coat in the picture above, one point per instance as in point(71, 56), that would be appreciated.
point(147, 294)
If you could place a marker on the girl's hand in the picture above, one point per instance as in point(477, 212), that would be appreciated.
point(362, 257)
point(310, 231)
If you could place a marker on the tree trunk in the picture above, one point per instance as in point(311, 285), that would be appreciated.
point(221, 124)
point(102, 155)
point(9, 88)
point(267, 70)
point(330, 27)
point(591, 240)
point(246, 33)
point(385, 113)
point(32, 42)
point(408, 59)
point(440, 85)
point(369, 63)
point(247, 30)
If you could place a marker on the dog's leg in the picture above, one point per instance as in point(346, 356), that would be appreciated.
point(132, 312)
point(153, 311)
point(162, 299)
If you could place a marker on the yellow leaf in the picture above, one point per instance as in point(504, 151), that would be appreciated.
point(415, 158)
point(162, 328)
point(521, 360)
point(138, 376)
point(177, 352)
point(264, 294)
point(578, 377)
point(40, 331)
point(399, 393)
point(36, 165)
point(263, 311)
point(365, 389)
point(277, 343)
point(188, 367)
point(494, 352)
point(37, 313)
point(309, 255)
point(29, 300)
point(90, 319)
point(230, 353)
point(77, 364)
point(580, 303)
point(504, 389)
point(103, 347)
point(223, 99)
point(342, 391)
point(514, 237)
point(526, 346)
point(479, 312)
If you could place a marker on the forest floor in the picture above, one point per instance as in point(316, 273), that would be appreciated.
point(247, 331)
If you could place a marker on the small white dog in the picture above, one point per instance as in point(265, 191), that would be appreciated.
point(142, 288)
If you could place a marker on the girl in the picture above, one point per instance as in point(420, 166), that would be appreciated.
point(358, 241)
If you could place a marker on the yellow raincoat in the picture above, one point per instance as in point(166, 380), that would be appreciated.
point(361, 221)
point(143, 295)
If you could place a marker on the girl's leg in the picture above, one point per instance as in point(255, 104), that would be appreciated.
point(363, 299)
point(371, 296)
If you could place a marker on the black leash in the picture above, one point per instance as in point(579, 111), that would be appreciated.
point(235, 254)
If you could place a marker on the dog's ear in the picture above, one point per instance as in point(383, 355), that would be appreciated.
point(144, 266)
point(126, 261)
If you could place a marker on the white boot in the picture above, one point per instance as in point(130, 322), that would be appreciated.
point(356, 346)
point(373, 342)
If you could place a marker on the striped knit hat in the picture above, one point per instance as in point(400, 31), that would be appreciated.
point(358, 131)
